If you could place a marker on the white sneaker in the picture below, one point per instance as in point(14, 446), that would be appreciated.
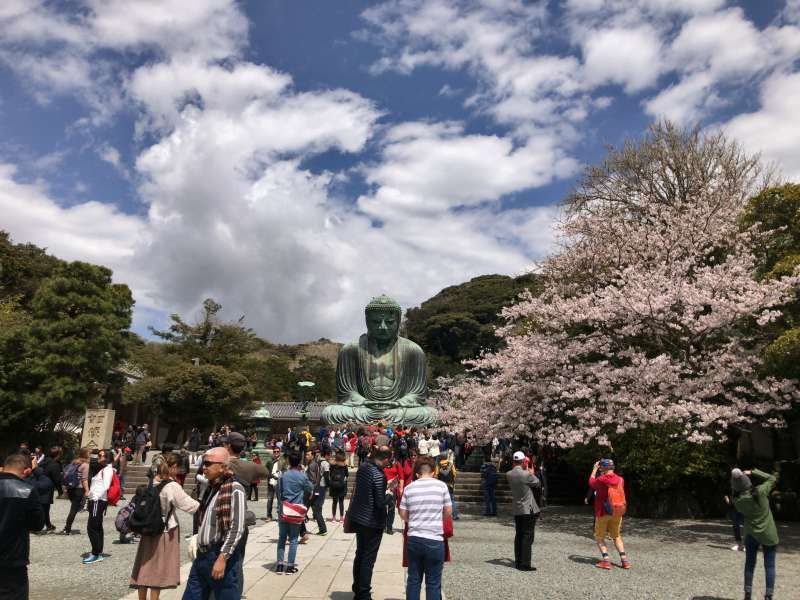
point(737, 548)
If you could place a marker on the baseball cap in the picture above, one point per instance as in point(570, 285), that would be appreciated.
point(606, 463)
point(519, 455)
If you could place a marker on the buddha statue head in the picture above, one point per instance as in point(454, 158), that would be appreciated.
point(383, 319)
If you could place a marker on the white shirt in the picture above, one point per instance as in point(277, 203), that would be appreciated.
point(98, 488)
point(422, 447)
point(424, 499)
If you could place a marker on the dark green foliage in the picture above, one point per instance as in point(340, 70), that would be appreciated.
point(321, 372)
point(193, 394)
point(64, 328)
point(665, 475)
point(458, 322)
point(776, 210)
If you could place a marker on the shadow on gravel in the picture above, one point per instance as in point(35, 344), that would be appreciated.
point(501, 562)
point(583, 560)
point(710, 598)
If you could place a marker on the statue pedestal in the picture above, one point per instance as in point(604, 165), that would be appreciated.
point(98, 425)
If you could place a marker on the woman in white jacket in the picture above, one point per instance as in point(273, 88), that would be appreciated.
point(97, 504)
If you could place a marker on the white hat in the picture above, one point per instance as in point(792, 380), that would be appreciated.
point(519, 455)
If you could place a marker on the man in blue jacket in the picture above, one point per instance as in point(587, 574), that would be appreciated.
point(368, 517)
point(20, 513)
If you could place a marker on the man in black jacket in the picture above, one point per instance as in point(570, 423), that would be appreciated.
point(20, 513)
point(368, 517)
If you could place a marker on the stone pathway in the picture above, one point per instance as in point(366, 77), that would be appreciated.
point(325, 568)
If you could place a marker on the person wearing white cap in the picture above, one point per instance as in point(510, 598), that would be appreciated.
point(526, 511)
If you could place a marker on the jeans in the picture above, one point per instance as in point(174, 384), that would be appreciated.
point(338, 501)
point(368, 542)
point(270, 500)
point(75, 496)
point(319, 503)
point(291, 531)
point(751, 549)
point(453, 502)
point(14, 583)
point(425, 557)
point(525, 526)
point(390, 514)
point(737, 520)
point(489, 501)
point(200, 584)
point(94, 526)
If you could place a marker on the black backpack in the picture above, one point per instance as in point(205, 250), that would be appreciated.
point(147, 518)
point(338, 475)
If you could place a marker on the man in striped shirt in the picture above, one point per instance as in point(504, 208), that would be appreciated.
point(222, 524)
point(424, 504)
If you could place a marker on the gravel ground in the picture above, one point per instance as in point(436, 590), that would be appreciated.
point(56, 571)
point(679, 559)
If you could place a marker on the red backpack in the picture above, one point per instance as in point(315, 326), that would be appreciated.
point(615, 504)
point(115, 490)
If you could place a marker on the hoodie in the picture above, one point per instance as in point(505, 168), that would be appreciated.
point(600, 485)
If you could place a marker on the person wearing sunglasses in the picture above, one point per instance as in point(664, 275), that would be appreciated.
point(222, 525)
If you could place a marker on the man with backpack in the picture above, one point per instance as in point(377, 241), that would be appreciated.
point(609, 506)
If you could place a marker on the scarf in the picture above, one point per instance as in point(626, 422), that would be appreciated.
point(223, 489)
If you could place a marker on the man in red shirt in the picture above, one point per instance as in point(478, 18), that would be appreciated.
point(605, 523)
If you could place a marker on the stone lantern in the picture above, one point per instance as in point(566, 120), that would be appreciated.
point(261, 420)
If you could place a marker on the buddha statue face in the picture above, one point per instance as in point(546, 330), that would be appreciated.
point(383, 325)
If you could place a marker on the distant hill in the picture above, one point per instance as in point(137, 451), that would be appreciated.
point(459, 321)
point(322, 348)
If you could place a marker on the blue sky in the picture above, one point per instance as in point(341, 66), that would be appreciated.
point(292, 159)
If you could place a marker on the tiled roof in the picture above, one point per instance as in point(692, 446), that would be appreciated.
point(288, 410)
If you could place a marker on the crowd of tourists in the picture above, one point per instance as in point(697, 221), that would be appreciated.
point(412, 473)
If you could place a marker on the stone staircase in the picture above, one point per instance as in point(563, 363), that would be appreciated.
point(469, 494)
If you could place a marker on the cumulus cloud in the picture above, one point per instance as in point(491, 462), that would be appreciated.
point(629, 57)
point(774, 128)
point(89, 231)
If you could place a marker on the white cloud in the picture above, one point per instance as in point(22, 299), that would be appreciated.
point(773, 129)
point(630, 57)
point(90, 231)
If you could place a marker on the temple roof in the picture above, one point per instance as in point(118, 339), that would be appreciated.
point(284, 411)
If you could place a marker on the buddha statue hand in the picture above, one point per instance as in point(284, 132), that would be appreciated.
point(355, 400)
point(409, 401)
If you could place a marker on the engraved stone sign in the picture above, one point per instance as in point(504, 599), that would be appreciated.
point(98, 425)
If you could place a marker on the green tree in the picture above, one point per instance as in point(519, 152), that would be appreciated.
point(188, 395)
point(321, 372)
point(458, 322)
point(68, 343)
point(209, 339)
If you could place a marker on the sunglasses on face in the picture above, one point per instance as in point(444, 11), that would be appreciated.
point(208, 463)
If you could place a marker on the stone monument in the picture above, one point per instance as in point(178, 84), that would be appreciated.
point(98, 425)
point(382, 376)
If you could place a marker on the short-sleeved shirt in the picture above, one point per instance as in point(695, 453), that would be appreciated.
point(425, 499)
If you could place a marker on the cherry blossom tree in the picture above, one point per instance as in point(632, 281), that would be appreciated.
point(651, 313)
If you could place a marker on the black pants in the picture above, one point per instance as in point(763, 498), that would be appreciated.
point(75, 496)
point(46, 509)
point(525, 526)
point(270, 500)
point(319, 503)
point(338, 501)
point(368, 541)
point(390, 514)
point(94, 527)
point(14, 583)
point(253, 492)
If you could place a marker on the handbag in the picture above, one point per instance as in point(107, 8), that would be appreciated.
point(347, 525)
point(293, 513)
